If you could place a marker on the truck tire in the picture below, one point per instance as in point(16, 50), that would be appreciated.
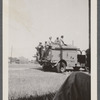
point(61, 67)
point(44, 67)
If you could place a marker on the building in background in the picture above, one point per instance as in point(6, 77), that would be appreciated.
point(20, 60)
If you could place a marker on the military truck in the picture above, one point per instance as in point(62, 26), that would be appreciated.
point(61, 57)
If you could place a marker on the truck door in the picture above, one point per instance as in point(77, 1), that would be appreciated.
point(70, 56)
point(56, 55)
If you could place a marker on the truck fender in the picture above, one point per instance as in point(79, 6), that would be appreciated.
point(60, 61)
point(63, 61)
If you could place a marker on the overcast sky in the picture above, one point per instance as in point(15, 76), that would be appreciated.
point(32, 21)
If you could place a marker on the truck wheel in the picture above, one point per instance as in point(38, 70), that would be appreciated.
point(61, 67)
point(87, 69)
point(44, 67)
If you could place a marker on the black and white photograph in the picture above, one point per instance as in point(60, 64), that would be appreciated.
point(49, 49)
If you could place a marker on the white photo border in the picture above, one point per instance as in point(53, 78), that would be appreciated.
point(93, 49)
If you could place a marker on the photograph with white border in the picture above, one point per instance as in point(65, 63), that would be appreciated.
point(49, 50)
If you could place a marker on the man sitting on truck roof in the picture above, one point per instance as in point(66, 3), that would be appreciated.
point(62, 41)
point(57, 41)
point(50, 42)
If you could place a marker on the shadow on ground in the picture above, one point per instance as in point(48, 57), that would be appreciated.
point(53, 70)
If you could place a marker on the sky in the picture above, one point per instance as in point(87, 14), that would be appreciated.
point(34, 21)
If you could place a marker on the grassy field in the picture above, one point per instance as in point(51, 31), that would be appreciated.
point(28, 81)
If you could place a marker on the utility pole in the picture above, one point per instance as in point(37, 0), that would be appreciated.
point(89, 58)
point(72, 42)
point(89, 23)
point(11, 53)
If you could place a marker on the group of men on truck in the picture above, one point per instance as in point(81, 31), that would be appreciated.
point(43, 51)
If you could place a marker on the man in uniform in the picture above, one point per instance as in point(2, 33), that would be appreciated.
point(50, 42)
point(40, 50)
point(57, 41)
point(62, 41)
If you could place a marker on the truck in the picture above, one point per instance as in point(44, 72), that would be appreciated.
point(61, 57)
